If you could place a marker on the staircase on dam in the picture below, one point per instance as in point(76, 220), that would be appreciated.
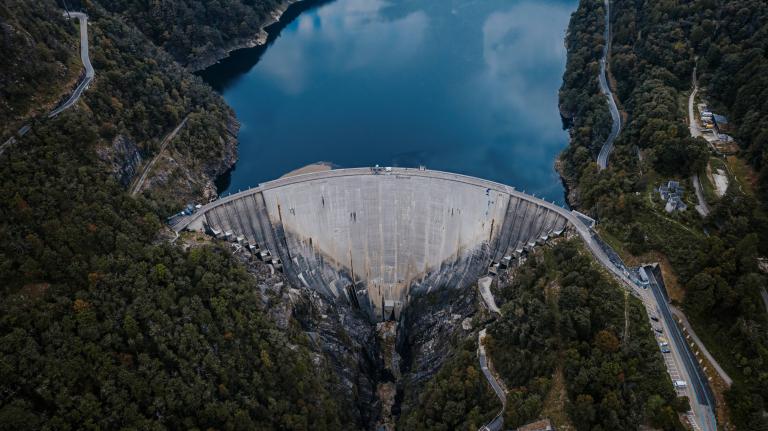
point(375, 237)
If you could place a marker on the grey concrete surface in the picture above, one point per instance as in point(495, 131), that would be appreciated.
point(86, 59)
point(698, 391)
point(605, 88)
point(375, 237)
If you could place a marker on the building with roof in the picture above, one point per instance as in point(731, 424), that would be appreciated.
point(672, 193)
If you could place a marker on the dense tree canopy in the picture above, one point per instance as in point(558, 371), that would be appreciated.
point(102, 327)
point(560, 309)
point(40, 55)
point(191, 30)
point(655, 46)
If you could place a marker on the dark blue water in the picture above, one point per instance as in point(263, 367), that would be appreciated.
point(456, 85)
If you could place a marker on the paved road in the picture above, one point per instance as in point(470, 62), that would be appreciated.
point(607, 148)
point(497, 422)
point(693, 126)
point(168, 138)
point(688, 328)
point(89, 72)
point(764, 294)
point(702, 207)
point(699, 395)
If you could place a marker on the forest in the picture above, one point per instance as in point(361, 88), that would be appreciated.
point(39, 49)
point(561, 312)
point(102, 326)
point(655, 47)
point(103, 323)
point(195, 30)
point(456, 398)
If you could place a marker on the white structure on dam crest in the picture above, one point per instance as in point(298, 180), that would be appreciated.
point(376, 236)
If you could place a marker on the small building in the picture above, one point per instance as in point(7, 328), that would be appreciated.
point(674, 203)
point(493, 268)
point(672, 193)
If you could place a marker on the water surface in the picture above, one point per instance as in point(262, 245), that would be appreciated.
point(457, 85)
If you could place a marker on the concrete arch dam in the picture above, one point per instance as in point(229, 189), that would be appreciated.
point(375, 237)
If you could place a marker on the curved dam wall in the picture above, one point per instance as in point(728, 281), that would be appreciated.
point(375, 237)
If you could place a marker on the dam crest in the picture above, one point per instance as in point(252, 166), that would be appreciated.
point(377, 236)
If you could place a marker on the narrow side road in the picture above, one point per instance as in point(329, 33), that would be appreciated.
point(607, 148)
point(86, 59)
point(148, 167)
point(702, 208)
point(497, 422)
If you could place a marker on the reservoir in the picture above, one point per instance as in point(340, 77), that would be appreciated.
point(466, 86)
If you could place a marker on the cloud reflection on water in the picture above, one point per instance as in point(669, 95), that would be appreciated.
point(357, 33)
point(461, 85)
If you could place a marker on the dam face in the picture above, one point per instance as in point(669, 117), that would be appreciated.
point(375, 236)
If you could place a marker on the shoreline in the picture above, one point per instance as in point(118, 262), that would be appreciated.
point(260, 38)
point(310, 168)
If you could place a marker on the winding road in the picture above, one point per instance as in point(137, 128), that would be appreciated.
point(605, 88)
point(693, 126)
point(89, 72)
